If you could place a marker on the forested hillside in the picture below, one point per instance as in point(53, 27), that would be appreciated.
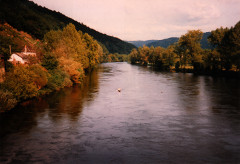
point(27, 16)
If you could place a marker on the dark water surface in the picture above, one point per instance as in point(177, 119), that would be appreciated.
point(156, 118)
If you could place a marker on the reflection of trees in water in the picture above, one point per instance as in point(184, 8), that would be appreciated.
point(188, 90)
point(216, 94)
point(22, 118)
point(66, 101)
point(70, 100)
point(224, 95)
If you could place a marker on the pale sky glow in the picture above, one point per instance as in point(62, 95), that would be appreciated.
point(148, 19)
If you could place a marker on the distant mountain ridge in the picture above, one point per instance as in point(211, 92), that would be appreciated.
point(25, 15)
point(169, 41)
point(204, 42)
point(163, 43)
point(140, 43)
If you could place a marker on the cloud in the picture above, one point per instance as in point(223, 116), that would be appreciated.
point(149, 19)
point(200, 12)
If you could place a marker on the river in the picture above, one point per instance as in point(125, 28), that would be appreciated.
point(158, 117)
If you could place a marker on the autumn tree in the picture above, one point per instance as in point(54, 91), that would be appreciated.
point(181, 55)
point(151, 55)
point(94, 50)
point(41, 75)
point(72, 68)
point(191, 47)
point(144, 53)
point(72, 44)
point(134, 56)
point(158, 57)
point(169, 56)
point(20, 83)
point(7, 101)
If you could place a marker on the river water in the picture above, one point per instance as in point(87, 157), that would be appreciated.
point(158, 117)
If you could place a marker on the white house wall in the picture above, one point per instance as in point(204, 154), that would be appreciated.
point(16, 58)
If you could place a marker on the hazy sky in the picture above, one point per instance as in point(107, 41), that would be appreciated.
point(148, 19)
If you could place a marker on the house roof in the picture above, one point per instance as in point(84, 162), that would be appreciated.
point(20, 54)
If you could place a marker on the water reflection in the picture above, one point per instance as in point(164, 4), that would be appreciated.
point(68, 101)
point(189, 91)
point(159, 117)
point(223, 95)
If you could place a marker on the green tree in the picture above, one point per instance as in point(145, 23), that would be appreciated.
point(216, 40)
point(230, 48)
point(58, 79)
point(216, 36)
point(181, 55)
point(211, 60)
point(235, 40)
point(52, 40)
point(50, 62)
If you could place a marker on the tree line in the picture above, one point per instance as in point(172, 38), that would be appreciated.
point(187, 52)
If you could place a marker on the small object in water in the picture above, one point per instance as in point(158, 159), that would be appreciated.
point(119, 89)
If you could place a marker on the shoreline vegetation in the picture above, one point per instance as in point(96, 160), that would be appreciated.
point(187, 55)
point(230, 74)
point(63, 58)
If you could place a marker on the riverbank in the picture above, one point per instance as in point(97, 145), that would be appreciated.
point(9, 101)
point(229, 74)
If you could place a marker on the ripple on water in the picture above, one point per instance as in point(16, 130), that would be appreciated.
point(158, 117)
